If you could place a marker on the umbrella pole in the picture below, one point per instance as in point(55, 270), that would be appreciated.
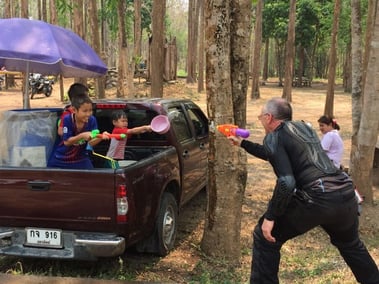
point(26, 101)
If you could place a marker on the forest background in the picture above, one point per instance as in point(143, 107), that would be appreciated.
point(118, 41)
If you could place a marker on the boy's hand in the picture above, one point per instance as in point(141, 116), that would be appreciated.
point(105, 135)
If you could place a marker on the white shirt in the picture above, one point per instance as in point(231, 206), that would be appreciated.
point(332, 143)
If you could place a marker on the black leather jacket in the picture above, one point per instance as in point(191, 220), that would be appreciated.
point(297, 158)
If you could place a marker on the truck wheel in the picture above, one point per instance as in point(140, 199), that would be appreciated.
point(166, 224)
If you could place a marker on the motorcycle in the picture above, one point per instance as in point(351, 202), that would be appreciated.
point(40, 85)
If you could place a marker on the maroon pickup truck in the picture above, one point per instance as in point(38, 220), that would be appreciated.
point(87, 214)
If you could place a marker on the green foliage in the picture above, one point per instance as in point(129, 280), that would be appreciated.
point(275, 20)
point(146, 9)
point(64, 8)
point(109, 14)
point(313, 21)
point(307, 22)
point(345, 22)
point(182, 73)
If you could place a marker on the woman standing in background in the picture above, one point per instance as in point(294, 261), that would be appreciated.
point(331, 140)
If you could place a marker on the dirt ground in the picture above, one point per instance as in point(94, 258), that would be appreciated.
point(186, 261)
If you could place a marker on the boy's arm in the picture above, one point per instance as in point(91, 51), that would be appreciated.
point(66, 111)
point(60, 130)
point(139, 129)
point(76, 139)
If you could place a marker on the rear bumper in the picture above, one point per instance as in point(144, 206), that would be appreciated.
point(75, 245)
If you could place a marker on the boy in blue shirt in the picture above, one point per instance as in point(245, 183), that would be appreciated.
point(71, 152)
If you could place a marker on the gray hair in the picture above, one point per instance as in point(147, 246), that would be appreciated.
point(279, 108)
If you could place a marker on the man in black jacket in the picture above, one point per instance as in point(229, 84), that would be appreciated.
point(309, 192)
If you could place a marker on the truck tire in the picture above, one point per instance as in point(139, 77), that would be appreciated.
point(166, 224)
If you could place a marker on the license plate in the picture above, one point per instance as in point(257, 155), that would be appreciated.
point(43, 237)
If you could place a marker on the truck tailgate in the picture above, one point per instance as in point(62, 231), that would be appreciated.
point(57, 198)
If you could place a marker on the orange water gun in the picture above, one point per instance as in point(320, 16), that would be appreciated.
point(233, 130)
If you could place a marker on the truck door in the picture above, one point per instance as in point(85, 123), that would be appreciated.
point(192, 147)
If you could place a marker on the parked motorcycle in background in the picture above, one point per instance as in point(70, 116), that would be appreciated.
point(40, 85)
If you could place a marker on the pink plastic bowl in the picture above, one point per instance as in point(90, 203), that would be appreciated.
point(160, 124)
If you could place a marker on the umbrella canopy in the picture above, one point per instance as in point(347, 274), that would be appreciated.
point(34, 46)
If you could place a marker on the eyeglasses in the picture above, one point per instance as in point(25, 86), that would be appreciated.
point(262, 115)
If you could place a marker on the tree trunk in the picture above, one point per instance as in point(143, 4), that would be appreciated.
point(94, 24)
point(356, 84)
point(24, 9)
point(255, 70)
point(280, 60)
point(53, 12)
point(329, 103)
point(368, 128)
point(371, 10)
point(240, 28)
point(290, 53)
point(193, 20)
point(8, 9)
point(79, 28)
point(159, 8)
point(265, 64)
point(137, 29)
point(122, 50)
point(43, 11)
point(25, 94)
point(226, 170)
point(200, 82)
point(301, 57)
point(347, 69)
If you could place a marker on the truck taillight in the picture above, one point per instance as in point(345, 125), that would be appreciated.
point(122, 203)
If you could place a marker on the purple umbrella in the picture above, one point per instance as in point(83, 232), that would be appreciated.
point(33, 46)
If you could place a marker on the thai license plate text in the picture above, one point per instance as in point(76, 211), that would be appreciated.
point(43, 237)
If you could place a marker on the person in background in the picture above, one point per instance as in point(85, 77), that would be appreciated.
point(116, 149)
point(331, 141)
point(71, 152)
point(74, 90)
point(309, 192)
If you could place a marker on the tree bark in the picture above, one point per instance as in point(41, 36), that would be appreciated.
point(43, 11)
point(8, 9)
point(290, 53)
point(227, 171)
point(193, 20)
point(356, 92)
point(122, 50)
point(329, 103)
point(26, 99)
point(137, 29)
point(53, 12)
point(200, 82)
point(159, 8)
point(24, 9)
point(301, 58)
point(79, 28)
point(368, 128)
point(347, 84)
point(265, 57)
point(94, 24)
point(240, 28)
point(255, 70)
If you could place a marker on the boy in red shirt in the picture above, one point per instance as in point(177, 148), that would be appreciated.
point(117, 146)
